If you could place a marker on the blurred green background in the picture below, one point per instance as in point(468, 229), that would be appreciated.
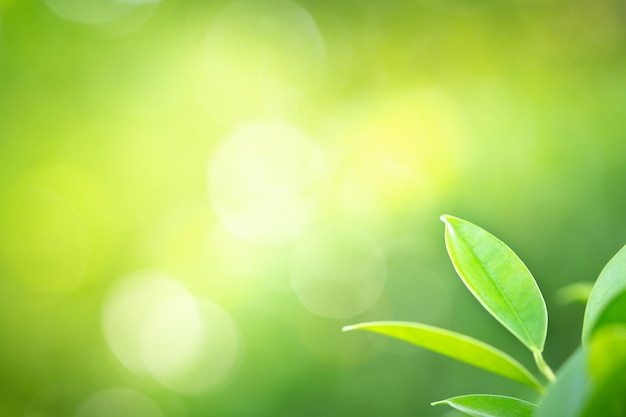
point(196, 195)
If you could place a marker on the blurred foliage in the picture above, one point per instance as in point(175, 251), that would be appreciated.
point(196, 196)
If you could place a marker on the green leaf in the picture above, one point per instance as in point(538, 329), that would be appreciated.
point(614, 313)
point(577, 292)
point(607, 351)
point(454, 345)
point(607, 367)
point(490, 406)
point(592, 383)
point(610, 285)
point(499, 280)
point(568, 395)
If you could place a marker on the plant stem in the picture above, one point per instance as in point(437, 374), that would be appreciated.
point(543, 366)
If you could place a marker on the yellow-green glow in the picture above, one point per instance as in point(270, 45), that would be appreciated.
point(262, 59)
point(264, 179)
point(156, 328)
point(195, 196)
point(44, 242)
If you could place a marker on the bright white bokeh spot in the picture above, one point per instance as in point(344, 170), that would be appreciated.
point(264, 180)
point(219, 354)
point(118, 402)
point(156, 328)
point(99, 12)
point(337, 272)
point(262, 57)
point(132, 308)
point(44, 244)
point(172, 337)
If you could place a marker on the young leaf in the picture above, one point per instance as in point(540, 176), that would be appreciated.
point(577, 292)
point(490, 406)
point(454, 345)
point(499, 280)
point(610, 285)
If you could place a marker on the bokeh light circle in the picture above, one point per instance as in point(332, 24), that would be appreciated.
point(264, 180)
point(118, 402)
point(44, 244)
point(219, 357)
point(337, 271)
point(261, 59)
point(156, 328)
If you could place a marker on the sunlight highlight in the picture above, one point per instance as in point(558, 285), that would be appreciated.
point(263, 181)
point(156, 328)
point(218, 359)
point(261, 59)
point(407, 147)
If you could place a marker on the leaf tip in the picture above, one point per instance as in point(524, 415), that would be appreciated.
point(349, 328)
point(434, 403)
point(449, 220)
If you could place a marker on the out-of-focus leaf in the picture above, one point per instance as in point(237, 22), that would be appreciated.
point(568, 395)
point(490, 406)
point(454, 345)
point(607, 350)
point(607, 367)
point(611, 284)
point(577, 292)
point(614, 313)
point(499, 280)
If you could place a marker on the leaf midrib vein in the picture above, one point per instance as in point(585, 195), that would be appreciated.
point(504, 297)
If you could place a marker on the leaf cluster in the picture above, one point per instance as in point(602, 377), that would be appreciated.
point(591, 383)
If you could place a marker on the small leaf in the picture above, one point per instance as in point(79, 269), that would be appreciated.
point(577, 292)
point(499, 280)
point(610, 285)
point(454, 345)
point(568, 395)
point(490, 406)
